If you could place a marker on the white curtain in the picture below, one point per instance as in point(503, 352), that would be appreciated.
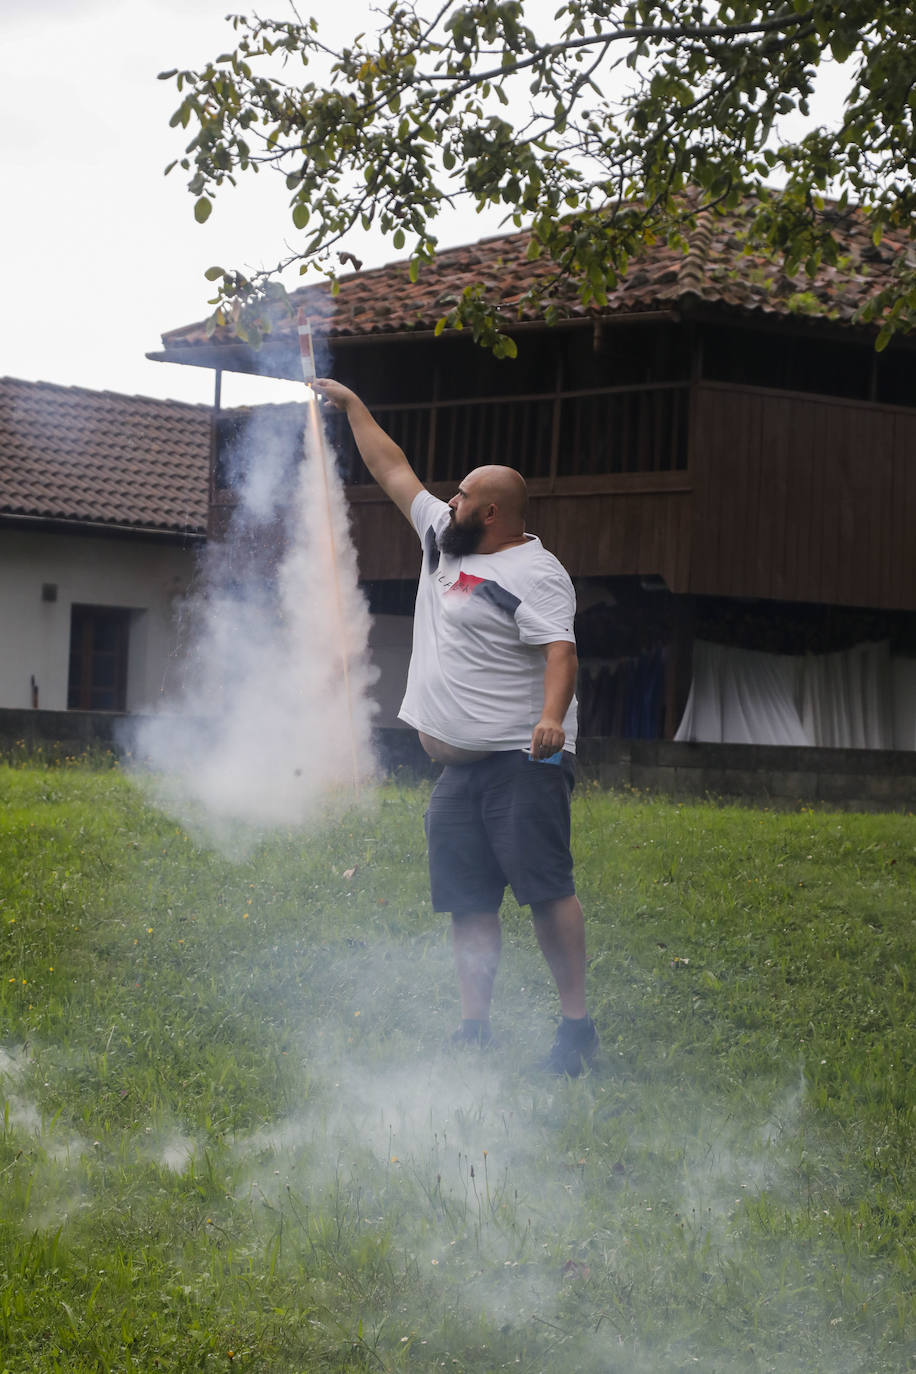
point(858, 699)
point(846, 698)
point(741, 697)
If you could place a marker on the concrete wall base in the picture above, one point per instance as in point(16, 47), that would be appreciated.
point(766, 775)
point(60, 735)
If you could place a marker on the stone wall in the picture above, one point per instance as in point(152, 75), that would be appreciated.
point(62, 734)
point(56, 734)
point(849, 779)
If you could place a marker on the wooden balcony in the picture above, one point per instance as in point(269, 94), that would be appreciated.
point(720, 489)
point(606, 471)
point(603, 431)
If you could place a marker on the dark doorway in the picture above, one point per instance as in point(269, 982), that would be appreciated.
point(98, 659)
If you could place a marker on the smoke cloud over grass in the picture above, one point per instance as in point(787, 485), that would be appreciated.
point(271, 723)
point(468, 1206)
point(234, 1124)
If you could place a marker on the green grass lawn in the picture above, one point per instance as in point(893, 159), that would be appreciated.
point(233, 1137)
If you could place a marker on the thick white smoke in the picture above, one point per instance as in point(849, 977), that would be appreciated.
point(271, 724)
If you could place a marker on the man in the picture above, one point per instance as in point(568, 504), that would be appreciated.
point(490, 690)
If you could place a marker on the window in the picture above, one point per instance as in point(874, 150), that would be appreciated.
point(98, 659)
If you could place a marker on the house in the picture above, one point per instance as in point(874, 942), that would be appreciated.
point(103, 508)
point(719, 456)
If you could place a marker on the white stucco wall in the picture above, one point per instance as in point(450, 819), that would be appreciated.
point(145, 577)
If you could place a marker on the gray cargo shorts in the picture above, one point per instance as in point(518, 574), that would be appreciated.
point(503, 821)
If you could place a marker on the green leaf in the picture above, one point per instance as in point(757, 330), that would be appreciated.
point(398, 239)
point(842, 47)
point(202, 209)
point(301, 214)
point(214, 273)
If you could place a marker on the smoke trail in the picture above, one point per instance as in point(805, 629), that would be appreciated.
point(272, 719)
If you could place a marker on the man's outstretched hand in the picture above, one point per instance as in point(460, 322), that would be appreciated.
point(340, 396)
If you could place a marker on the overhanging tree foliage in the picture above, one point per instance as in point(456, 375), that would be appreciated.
point(602, 129)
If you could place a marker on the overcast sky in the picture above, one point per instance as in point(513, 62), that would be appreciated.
point(101, 252)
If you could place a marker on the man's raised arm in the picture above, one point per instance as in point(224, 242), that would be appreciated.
point(382, 456)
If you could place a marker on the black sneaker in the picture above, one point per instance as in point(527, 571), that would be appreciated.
point(575, 1046)
point(473, 1033)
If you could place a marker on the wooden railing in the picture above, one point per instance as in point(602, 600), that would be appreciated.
point(634, 429)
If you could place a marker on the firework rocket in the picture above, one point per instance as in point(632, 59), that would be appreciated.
point(306, 348)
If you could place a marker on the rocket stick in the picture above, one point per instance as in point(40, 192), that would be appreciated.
point(309, 373)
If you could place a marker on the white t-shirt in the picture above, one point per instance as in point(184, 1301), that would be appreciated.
point(476, 677)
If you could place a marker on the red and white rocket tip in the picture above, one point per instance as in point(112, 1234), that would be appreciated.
point(306, 348)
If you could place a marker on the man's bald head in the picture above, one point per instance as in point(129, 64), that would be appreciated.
point(502, 487)
point(488, 512)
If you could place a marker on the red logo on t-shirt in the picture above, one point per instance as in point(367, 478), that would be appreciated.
point(466, 584)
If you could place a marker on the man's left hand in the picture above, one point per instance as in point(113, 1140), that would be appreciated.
point(547, 737)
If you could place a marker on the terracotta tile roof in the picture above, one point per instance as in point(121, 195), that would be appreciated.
point(714, 271)
point(96, 457)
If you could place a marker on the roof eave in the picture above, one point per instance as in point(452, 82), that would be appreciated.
point(282, 360)
point(65, 525)
point(702, 309)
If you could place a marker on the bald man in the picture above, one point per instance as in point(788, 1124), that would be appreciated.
point(491, 693)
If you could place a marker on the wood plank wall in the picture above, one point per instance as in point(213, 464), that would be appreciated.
point(616, 526)
point(638, 530)
point(786, 496)
point(802, 498)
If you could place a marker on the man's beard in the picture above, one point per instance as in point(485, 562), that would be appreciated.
point(456, 540)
